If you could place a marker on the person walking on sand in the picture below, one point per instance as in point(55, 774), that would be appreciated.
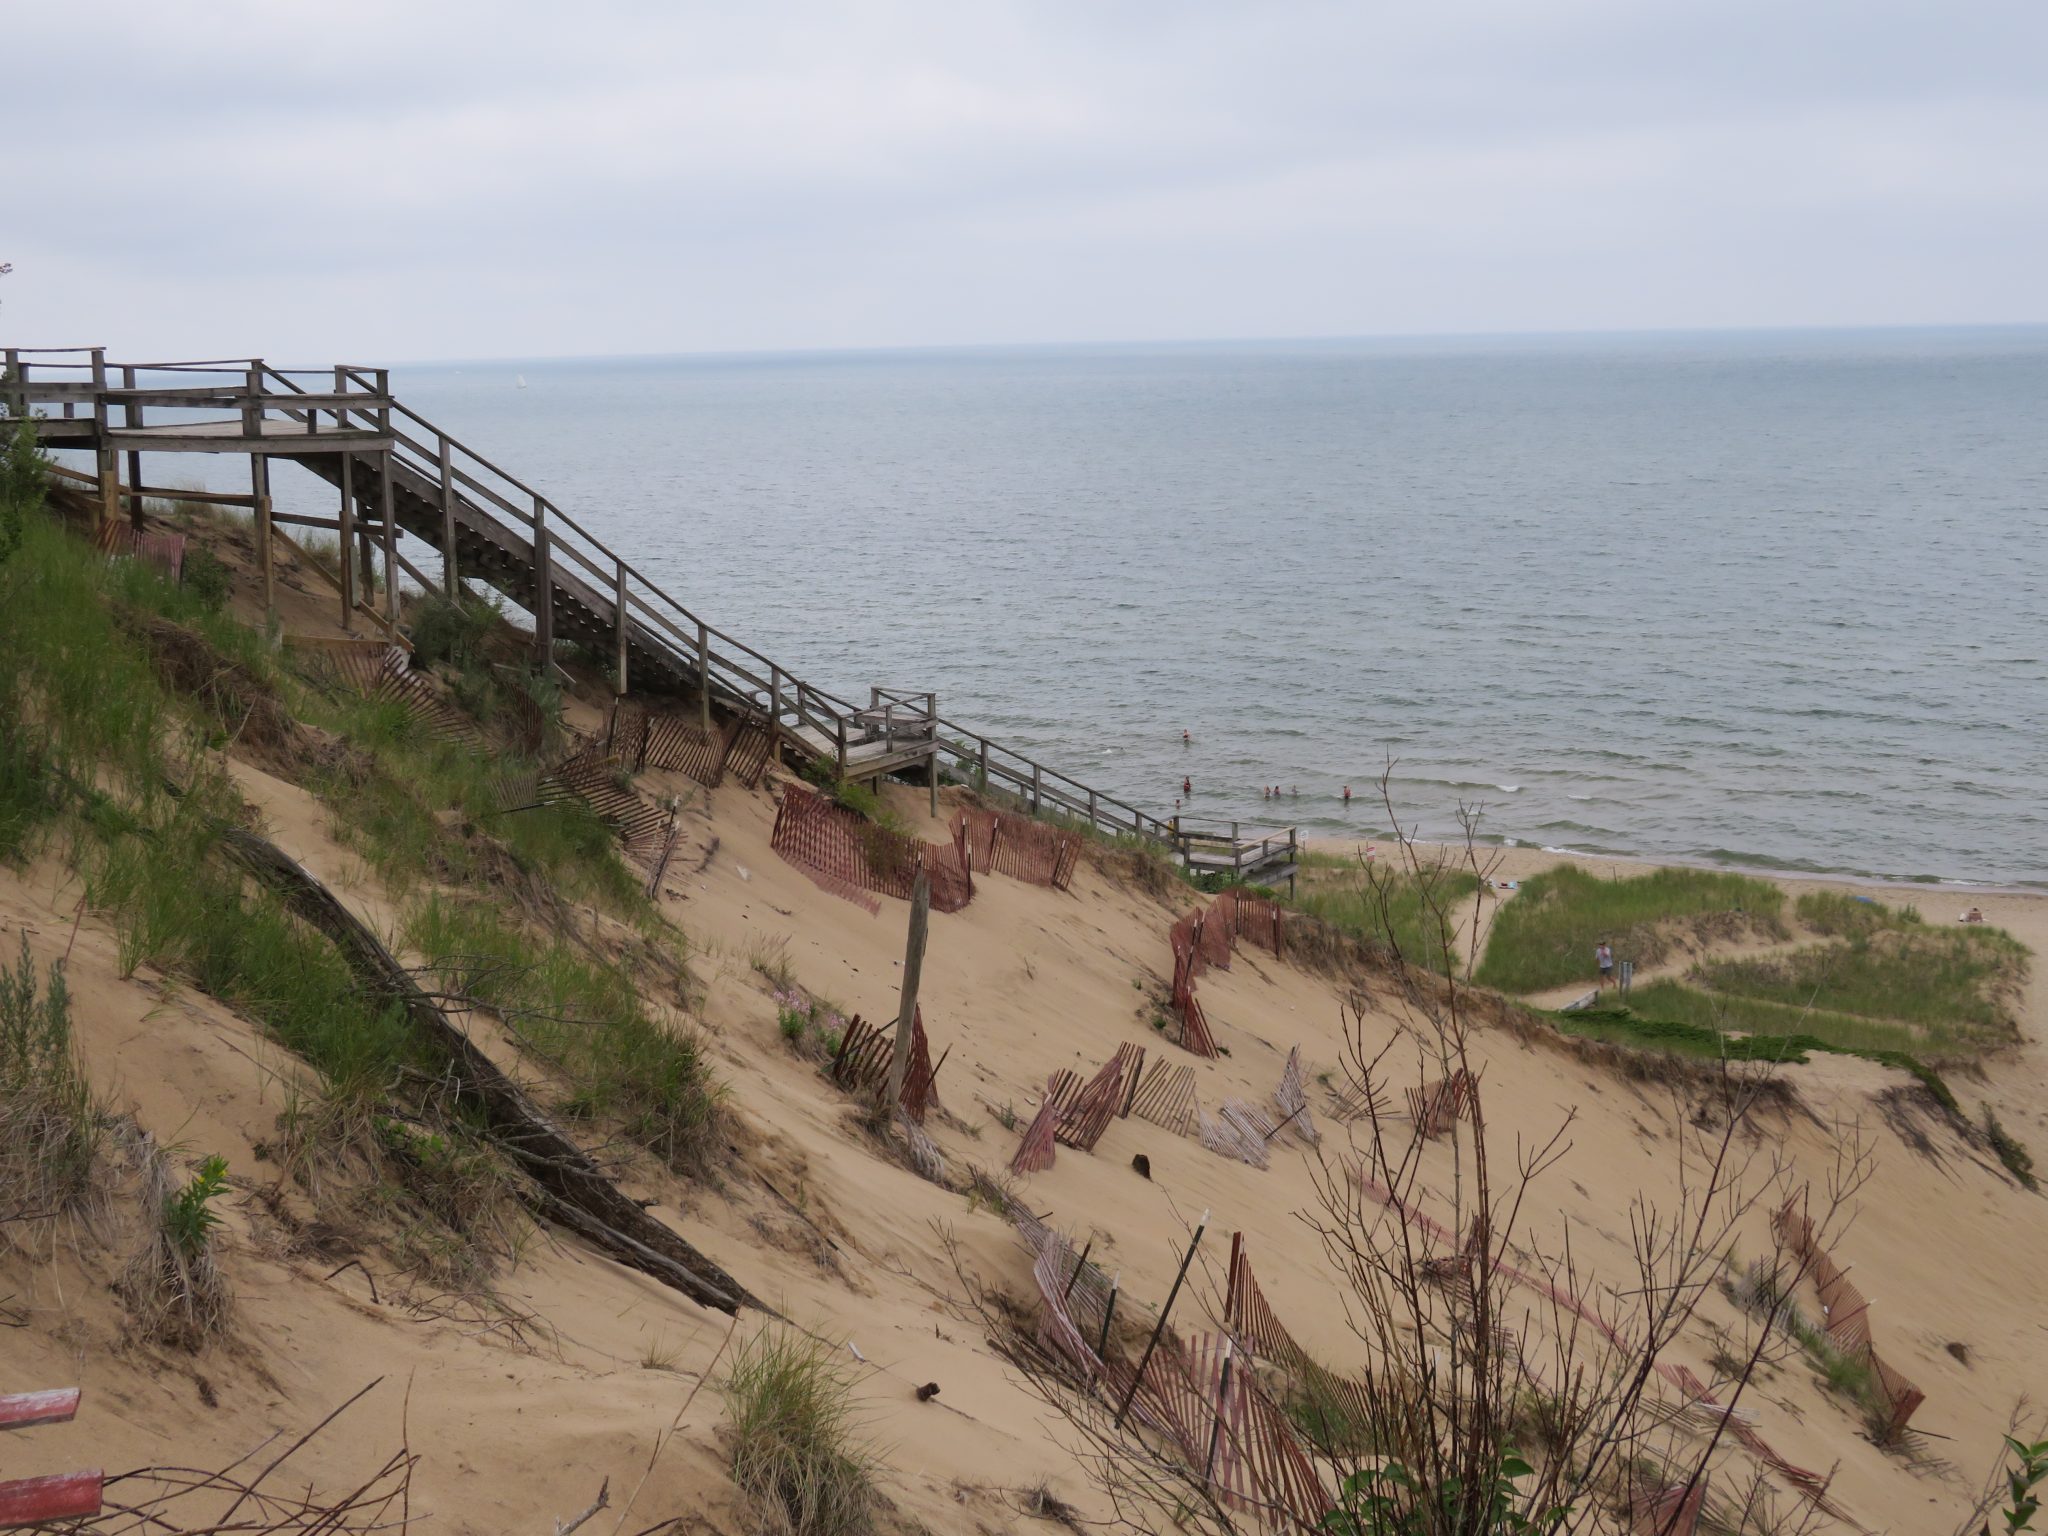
point(1604, 958)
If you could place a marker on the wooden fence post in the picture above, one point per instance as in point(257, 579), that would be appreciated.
point(913, 969)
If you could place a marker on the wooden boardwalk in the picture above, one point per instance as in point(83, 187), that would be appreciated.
point(400, 481)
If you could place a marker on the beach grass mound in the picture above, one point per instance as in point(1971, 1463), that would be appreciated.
point(1403, 910)
point(1544, 936)
point(1724, 1014)
point(1955, 986)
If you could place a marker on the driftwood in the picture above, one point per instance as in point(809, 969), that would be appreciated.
point(566, 1185)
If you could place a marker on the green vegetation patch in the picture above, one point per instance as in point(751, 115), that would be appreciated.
point(583, 1017)
point(1955, 984)
point(1417, 914)
point(1544, 936)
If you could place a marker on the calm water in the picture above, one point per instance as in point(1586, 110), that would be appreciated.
point(1759, 599)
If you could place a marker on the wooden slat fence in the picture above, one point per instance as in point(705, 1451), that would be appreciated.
point(1166, 1097)
point(1847, 1312)
point(1006, 844)
point(821, 838)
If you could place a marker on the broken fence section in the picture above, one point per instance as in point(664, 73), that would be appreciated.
point(866, 1053)
point(842, 853)
point(675, 743)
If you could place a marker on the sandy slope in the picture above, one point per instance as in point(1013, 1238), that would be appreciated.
point(518, 1427)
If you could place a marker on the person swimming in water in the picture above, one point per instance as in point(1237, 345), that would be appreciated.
point(1187, 788)
point(1347, 794)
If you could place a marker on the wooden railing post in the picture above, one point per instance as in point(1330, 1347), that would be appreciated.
point(451, 577)
point(543, 589)
point(620, 622)
point(17, 393)
point(774, 709)
point(134, 420)
point(703, 677)
point(1037, 789)
point(340, 388)
point(252, 399)
point(389, 514)
point(345, 556)
point(842, 747)
point(266, 560)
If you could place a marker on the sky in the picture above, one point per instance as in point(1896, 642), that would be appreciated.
point(401, 180)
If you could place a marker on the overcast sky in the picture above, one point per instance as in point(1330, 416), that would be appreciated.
point(392, 180)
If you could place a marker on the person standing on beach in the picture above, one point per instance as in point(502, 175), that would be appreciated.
point(1604, 958)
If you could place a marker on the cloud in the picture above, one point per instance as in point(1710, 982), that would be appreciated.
point(466, 179)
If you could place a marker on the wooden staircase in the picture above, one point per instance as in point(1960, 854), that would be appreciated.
point(485, 525)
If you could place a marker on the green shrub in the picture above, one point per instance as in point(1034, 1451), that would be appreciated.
point(189, 1216)
point(207, 579)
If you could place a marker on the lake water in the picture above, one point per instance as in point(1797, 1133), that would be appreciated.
point(1764, 599)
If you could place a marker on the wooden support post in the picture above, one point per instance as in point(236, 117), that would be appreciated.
point(451, 578)
point(386, 511)
point(543, 590)
point(1037, 789)
point(774, 710)
point(134, 456)
point(266, 558)
point(703, 677)
point(345, 556)
point(842, 746)
point(109, 465)
point(1159, 1327)
point(621, 625)
point(913, 969)
point(16, 397)
point(931, 765)
point(983, 785)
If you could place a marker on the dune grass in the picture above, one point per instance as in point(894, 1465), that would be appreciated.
point(794, 1437)
point(1409, 918)
point(1544, 936)
point(1954, 984)
point(51, 1127)
point(583, 1017)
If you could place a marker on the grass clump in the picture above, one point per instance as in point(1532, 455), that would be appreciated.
point(808, 1026)
point(794, 1444)
point(1544, 936)
point(584, 1018)
point(174, 1284)
point(51, 1128)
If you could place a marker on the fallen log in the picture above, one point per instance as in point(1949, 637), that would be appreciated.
point(567, 1186)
